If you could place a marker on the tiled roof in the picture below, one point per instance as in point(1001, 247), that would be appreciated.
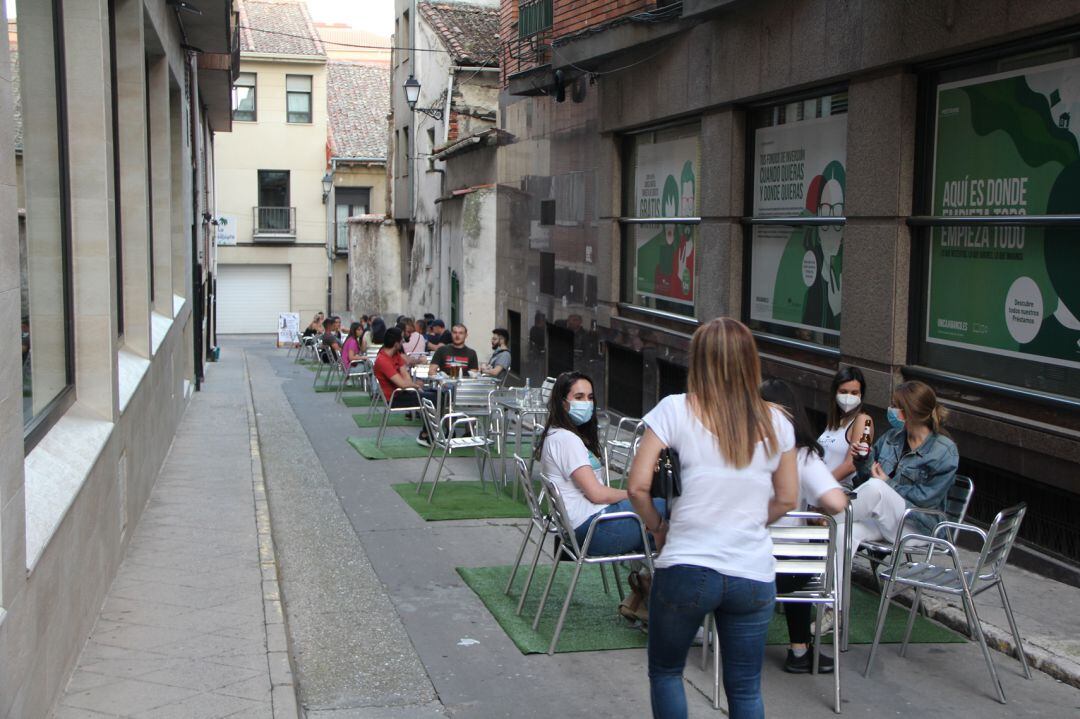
point(359, 100)
point(278, 27)
point(17, 98)
point(470, 31)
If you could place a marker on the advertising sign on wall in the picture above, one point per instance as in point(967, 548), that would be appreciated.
point(226, 230)
point(665, 185)
point(1007, 145)
point(288, 329)
point(795, 276)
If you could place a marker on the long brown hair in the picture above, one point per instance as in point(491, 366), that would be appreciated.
point(723, 382)
point(919, 404)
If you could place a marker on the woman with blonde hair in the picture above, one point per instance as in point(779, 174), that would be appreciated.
point(738, 469)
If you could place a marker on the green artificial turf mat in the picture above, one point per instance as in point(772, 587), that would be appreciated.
point(458, 499)
point(398, 447)
point(593, 624)
point(333, 388)
point(395, 420)
point(357, 400)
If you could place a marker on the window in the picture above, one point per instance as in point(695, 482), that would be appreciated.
point(404, 39)
point(405, 152)
point(431, 139)
point(349, 202)
point(797, 156)
point(43, 215)
point(1000, 297)
point(534, 16)
point(118, 244)
point(661, 182)
point(243, 97)
point(273, 215)
point(298, 98)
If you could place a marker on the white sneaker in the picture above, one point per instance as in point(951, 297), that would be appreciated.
point(828, 622)
point(423, 441)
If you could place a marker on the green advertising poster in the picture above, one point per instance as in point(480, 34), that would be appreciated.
point(795, 271)
point(1007, 145)
point(665, 185)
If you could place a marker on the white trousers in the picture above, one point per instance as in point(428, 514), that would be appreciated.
point(876, 513)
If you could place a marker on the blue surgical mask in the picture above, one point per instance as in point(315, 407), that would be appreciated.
point(580, 411)
point(894, 418)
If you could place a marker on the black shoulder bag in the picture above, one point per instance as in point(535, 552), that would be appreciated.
point(667, 478)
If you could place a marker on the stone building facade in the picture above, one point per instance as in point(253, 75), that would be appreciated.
point(801, 167)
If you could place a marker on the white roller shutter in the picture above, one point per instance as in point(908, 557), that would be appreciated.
point(249, 298)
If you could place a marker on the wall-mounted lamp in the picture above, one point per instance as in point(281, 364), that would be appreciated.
point(412, 95)
point(327, 185)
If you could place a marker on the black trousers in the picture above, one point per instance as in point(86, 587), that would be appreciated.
point(797, 614)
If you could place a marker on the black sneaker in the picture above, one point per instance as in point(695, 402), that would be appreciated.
point(423, 441)
point(805, 663)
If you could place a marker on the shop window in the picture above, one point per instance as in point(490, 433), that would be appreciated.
point(560, 349)
point(624, 380)
point(658, 257)
point(41, 172)
point(513, 326)
point(798, 158)
point(298, 98)
point(243, 97)
point(1000, 300)
point(671, 379)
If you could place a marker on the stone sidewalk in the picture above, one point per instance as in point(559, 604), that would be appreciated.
point(193, 625)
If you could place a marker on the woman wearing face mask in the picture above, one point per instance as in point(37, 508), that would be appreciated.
point(913, 464)
point(845, 424)
point(569, 454)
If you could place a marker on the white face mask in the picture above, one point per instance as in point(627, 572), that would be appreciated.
point(848, 402)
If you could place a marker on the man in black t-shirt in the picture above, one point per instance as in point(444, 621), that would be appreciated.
point(455, 357)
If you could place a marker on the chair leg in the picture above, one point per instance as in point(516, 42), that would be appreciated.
point(520, 554)
point(423, 475)
point(603, 577)
point(977, 626)
point(565, 608)
point(532, 570)
point(883, 610)
point(716, 665)
point(836, 659)
point(618, 581)
point(816, 661)
point(915, 604)
point(1013, 628)
point(547, 591)
point(706, 632)
point(382, 426)
point(438, 473)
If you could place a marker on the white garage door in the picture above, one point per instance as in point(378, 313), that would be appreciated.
point(249, 298)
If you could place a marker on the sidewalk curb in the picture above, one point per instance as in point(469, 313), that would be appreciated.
point(1060, 668)
point(283, 689)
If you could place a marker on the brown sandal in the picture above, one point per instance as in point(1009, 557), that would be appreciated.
point(636, 606)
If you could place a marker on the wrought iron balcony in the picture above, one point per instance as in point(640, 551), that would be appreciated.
point(274, 224)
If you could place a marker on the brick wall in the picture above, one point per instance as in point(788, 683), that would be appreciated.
point(570, 16)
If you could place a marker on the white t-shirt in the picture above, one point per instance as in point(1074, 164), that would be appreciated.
point(815, 479)
point(835, 444)
point(719, 520)
point(563, 453)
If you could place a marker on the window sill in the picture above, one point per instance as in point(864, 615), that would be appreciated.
point(177, 305)
point(159, 327)
point(55, 472)
point(132, 368)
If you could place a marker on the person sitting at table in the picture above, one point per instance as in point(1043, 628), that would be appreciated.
point(569, 452)
point(846, 421)
point(437, 335)
point(392, 373)
point(420, 326)
point(331, 339)
point(354, 347)
point(499, 363)
point(817, 488)
point(316, 326)
point(413, 343)
point(455, 358)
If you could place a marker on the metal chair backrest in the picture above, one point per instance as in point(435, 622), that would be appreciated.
point(559, 516)
point(546, 387)
point(473, 394)
point(999, 542)
point(958, 500)
point(529, 490)
point(806, 549)
point(431, 419)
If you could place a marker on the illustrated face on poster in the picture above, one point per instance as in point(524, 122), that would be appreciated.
point(665, 186)
point(796, 271)
point(1007, 144)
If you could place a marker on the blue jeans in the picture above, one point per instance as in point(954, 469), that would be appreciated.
point(681, 597)
point(616, 536)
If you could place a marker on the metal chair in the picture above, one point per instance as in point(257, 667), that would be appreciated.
point(331, 362)
point(806, 550)
point(538, 519)
point(441, 434)
point(950, 577)
point(620, 445)
point(388, 408)
point(956, 505)
point(359, 369)
point(579, 553)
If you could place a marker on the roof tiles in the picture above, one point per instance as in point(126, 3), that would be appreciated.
point(359, 101)
point(278, 27)
point(469, 31)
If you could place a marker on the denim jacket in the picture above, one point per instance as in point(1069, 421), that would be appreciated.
point(923, 477)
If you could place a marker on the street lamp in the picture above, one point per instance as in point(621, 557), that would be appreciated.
point(412, 95)
point(327, 185)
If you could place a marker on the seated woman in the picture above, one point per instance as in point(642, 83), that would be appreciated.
point(817, 488)
point(912, 464)
point(354, 347)
point(315, 327)
point(569, 452)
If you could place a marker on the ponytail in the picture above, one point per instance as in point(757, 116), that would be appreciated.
point(919, 404)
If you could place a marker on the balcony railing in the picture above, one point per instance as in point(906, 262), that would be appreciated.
point(341, 237)
point(274, 224)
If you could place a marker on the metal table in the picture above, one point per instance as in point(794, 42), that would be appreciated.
point(521, 408)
